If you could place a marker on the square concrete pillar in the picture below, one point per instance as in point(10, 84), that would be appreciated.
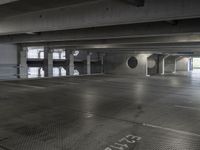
point(23, 67)
point(163, 64)
point(89, 63)
point(48, 62)
point(102, 55)
point(190, 68)
point(147, 67)
point(60, 71)
point(71, 63)
point(175, 63)
point(39, 73)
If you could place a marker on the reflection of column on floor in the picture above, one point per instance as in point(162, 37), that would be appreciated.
point(71, 63)
point(48, 62)
point(23, 67)
point(89, 63)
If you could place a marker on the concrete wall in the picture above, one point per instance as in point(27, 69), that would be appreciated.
point(182, 64)
point(170, 64)
point(8, 62)
point(117, 64)
point(96, 67)
point(81, 62)
point(153, 64)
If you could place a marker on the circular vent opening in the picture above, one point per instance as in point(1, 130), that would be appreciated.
point(132, 62)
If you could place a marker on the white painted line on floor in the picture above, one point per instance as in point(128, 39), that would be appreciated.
point(32, 86)
point(25, 85)
point(172, 130)
point(186, 107)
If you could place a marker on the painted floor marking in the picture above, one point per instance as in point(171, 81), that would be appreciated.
point(124, 143)
point(186, 107)
point(146, 125)
point(25, 85)
point(172, 130)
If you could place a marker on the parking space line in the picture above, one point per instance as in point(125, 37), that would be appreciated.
point(172, 130)
point(186, 107)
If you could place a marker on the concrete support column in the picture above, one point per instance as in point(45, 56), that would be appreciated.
point(189, 64)
point(147, 68)
point(60, 55)
point(175, 64)
point(163, 64)
point(71, 63)
point(89, 63)
point(66, 67)
point(23, 67)
point(48, 62)
point(39, 72)
point(102, 62)
point(39, 54)
point(60, 71)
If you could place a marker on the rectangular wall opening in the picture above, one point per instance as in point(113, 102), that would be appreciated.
point(196, 63)
point(195, 66)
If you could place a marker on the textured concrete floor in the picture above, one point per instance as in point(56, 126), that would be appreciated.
point(101, 113)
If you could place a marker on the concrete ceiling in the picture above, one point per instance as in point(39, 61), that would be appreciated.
point(102, 24)
point(10, 8)
point(57, 15)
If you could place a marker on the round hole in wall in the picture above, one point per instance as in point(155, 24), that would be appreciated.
point(132, 62)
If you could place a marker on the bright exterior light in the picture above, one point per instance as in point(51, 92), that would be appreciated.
point(76, 72)
point(35, 52)
point(76, 53)
point(196, 63)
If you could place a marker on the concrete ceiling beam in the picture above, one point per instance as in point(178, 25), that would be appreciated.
point(154, 40)
point(187, 27)
point(97, 14)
